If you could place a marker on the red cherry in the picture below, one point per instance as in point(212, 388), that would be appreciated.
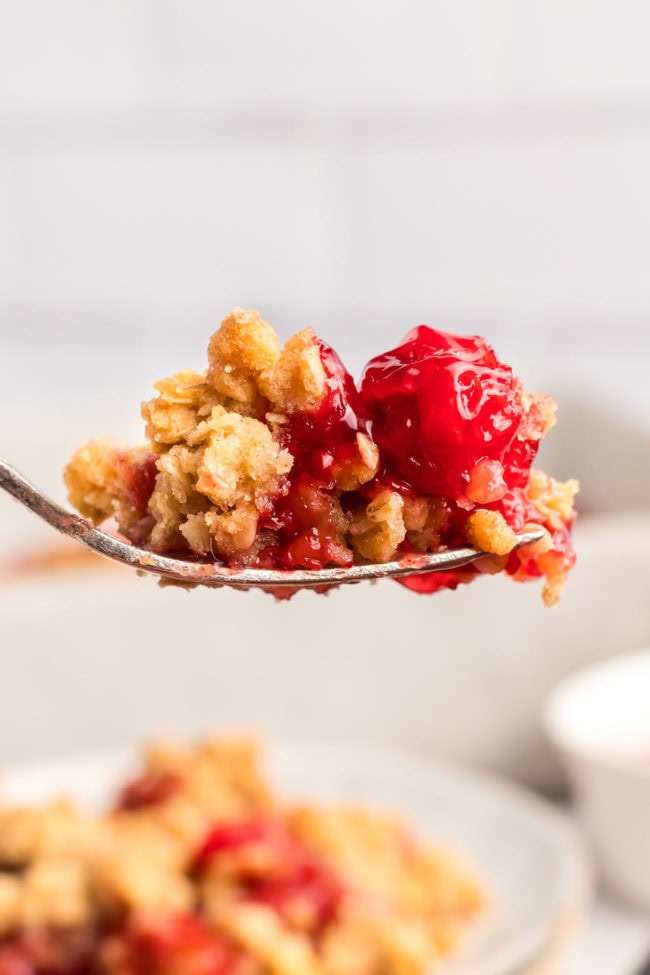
point(439, 405)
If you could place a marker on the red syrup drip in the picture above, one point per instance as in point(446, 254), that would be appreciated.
point(322, 442)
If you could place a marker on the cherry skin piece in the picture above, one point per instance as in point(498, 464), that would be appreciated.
point(256, 832)
point(440, 404)
point(150, 789)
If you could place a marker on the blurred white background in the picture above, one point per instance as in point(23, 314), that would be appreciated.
point(361, 167)
point(356, 166)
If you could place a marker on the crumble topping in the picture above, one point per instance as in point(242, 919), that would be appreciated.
point(296, 381)
point(212, 490)
point(200, 867)
point(239, 352)
point(98, 477)
point(379, 529)
point(490, 532)
point(275, 458)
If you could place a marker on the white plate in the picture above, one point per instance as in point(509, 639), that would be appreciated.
point(527, 853)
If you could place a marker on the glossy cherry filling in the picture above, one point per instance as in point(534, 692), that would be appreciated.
point(323, 442)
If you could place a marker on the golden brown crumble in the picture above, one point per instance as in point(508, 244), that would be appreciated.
point(426, 519)
point(296, 379)
point(93, 481)
point(239, 352)
point(489, 531)
point(377, 531)
point(57, 892)
point(552, 499)
point(260, 932)
point(10, 899)
point(211, 490)
point(362, 468)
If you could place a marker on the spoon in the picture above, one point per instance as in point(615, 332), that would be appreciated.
point(212, 574)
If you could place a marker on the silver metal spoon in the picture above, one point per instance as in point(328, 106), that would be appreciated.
point(211, 574)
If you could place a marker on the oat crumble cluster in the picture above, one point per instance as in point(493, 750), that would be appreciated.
point(274, 458)
point(200, 869)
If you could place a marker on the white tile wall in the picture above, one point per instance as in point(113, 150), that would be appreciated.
point(7, 228)
point(338, 54)
point(170, 226)
point(516, 226)
point(74, 55)
point(357, 166)
point(583, 48)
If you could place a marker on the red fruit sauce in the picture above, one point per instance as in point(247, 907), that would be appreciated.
point(293, 882)
point(182, 945)
point(323, 443)
point(259, 831)
point(138, 480)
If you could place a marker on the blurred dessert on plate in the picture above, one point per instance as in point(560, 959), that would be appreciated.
point(200, 868)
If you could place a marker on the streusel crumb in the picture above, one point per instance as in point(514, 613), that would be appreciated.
point(239, 352)
point(296, 380)
point(489, 531)
point(380, 529)
point(10, 897)
point(97, 480)
point(56, 892)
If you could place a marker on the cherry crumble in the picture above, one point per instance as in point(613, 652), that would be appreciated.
point(275, 458)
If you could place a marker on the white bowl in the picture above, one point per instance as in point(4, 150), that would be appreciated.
point(599, 722)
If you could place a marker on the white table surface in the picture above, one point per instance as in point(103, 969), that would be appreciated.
point(616, 941)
